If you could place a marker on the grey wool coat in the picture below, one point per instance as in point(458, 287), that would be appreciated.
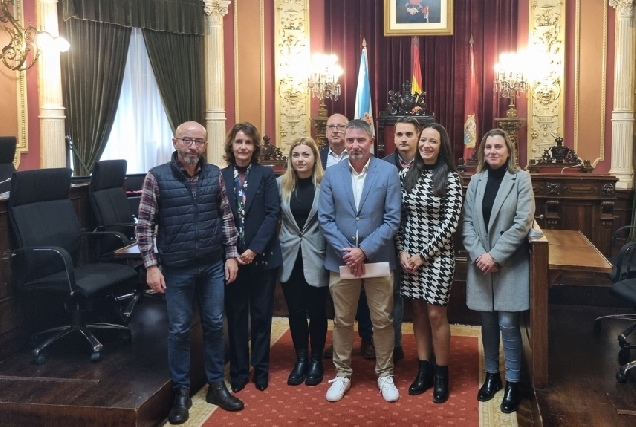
point(310, 239)
point(505, 238)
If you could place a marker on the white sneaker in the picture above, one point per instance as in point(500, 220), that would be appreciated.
point(388, 389)
point(339, 387)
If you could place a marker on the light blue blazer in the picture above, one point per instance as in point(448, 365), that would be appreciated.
point(376, 221)
point(309, 239)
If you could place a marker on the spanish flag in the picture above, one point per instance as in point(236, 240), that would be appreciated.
point(416, 81)
point(470, 107)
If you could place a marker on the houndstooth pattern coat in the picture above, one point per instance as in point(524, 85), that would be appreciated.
point(427, 227)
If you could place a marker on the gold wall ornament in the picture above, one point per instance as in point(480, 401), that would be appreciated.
point(291, 56)
point(545, 106)
point(22, 52)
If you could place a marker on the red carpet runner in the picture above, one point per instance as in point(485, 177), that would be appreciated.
point(283, 405)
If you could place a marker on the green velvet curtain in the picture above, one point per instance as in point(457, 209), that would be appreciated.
point(92, 74)
point(99, 33)
point(177, 61)
point(174, 16)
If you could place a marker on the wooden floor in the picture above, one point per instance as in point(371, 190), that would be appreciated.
point(583, 389)
point(129, 387)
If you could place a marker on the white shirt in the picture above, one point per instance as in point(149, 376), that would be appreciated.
point(357, 182)
point(334, 159)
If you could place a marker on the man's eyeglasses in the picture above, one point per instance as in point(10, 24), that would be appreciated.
point(336, 127)
point(189, 141)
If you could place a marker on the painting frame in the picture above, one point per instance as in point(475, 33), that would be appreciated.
point(418, 18)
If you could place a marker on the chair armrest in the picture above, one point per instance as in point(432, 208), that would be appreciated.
point(37, 262)
point(124, 240)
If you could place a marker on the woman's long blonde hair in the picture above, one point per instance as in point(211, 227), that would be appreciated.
point(290, 178)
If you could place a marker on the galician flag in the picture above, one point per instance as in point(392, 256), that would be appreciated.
point(363, 93)
point(470, 108)
point(416, 75)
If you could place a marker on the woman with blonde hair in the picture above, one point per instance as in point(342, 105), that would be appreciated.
point(302, 276)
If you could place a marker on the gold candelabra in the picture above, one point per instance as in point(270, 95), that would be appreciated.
point(16, 55)
point(323, 84)
point(510, 80)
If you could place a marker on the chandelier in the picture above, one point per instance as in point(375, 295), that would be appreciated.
point(323, 77)
point(16, 55)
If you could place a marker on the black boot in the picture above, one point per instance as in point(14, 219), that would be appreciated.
point(424, 379)
point(218, 395)
point(491, 385)
point(314, 375)
point(179, 413)
point(512, 397)
point(298, 374)
point(440, 392)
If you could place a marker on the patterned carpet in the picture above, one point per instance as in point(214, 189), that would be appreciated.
point(282, 405)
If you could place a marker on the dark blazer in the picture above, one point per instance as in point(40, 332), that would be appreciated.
point(262, 211)
point(323, 157)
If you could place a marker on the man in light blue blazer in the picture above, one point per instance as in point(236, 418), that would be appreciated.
point(359, 213)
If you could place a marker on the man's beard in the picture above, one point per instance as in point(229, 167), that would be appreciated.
point(187, 159)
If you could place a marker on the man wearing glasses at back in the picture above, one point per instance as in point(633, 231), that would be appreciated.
point(336, 152)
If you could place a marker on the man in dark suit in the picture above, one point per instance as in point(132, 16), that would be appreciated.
point(406, 140)
point(359, 213)
point(336, 151)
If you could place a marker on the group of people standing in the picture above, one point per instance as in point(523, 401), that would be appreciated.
point(330, 226)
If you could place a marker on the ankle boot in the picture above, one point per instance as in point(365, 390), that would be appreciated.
point(179, 413)
point(314, 375)
point(440, 392)
point(424, 379)
point(511, 399)
point(219, 395)
point(298, 374)
point(491, 385)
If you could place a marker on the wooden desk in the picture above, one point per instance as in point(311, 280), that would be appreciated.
point(127, 252)
point(556, 252)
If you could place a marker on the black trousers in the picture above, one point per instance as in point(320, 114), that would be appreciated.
point(304, 300)
point(253, 292)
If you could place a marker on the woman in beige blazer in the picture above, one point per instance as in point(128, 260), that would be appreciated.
point(303, 278)
point(498, 215)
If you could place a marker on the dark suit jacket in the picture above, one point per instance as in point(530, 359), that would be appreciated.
point(323, 157)
point(262, 211)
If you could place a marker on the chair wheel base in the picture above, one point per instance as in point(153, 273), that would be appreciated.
point(597, 326)
point(39, 359)
point(126, 338)
point(96, 357)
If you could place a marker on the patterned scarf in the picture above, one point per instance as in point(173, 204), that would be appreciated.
point(240, 190)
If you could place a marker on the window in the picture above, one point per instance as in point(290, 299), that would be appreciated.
point(141, 132)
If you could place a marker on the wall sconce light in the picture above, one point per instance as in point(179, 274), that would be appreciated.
point(16, 54)
point(323, 84)
point(510, 80)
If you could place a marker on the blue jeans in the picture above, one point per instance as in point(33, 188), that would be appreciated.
point(506, 322)
point(207, 283)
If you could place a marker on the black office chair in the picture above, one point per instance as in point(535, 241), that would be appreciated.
point(110, 204)
point(46, 237)
point(7, 155)
point(623, 277)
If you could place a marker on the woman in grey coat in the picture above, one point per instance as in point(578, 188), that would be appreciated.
point(303, 278)
point(498, 215)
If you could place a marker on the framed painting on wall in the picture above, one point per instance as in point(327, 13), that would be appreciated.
point(418, 17)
